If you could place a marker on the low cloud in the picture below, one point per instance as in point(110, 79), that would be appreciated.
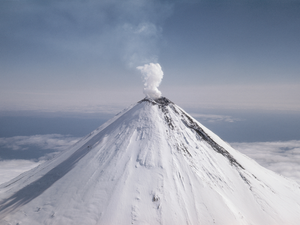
point(21, 153)
point(12, 168)
point(49, 141)
point(214, 118)
point(35, 147)
point(280, 157)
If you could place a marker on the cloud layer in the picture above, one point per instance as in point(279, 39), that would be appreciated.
point(50, 141)
point(211, 118)
point(280, 157)
point(33, 149)
point(12, 168)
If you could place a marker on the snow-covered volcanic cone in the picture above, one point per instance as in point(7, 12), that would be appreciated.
point(150, 164)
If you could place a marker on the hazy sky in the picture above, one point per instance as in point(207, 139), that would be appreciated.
point(82, 54)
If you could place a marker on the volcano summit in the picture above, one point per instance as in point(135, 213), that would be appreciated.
point(151, 164)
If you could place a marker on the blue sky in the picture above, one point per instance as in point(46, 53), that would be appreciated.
point(82, 55)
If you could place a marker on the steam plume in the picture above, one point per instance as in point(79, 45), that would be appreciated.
point(152, 76)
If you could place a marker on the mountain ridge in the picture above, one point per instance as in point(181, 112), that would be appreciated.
point(151, 164)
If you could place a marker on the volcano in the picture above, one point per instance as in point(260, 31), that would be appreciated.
point(150, 164)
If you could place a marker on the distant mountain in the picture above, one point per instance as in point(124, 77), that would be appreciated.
point(151, 164)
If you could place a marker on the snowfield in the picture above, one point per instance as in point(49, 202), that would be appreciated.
point(151, 164)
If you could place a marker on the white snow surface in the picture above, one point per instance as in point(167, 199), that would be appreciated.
point(151, 164)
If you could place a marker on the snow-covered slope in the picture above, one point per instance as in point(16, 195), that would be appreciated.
point(151, 164)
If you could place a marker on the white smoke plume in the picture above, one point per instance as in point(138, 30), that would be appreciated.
point(152, 76)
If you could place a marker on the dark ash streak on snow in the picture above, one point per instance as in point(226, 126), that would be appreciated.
point(37, 187)
point(163, 102)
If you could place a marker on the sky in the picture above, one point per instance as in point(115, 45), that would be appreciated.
point(63, 55)
point(68, 66)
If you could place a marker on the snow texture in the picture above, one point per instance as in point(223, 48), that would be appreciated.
point(150, 164)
